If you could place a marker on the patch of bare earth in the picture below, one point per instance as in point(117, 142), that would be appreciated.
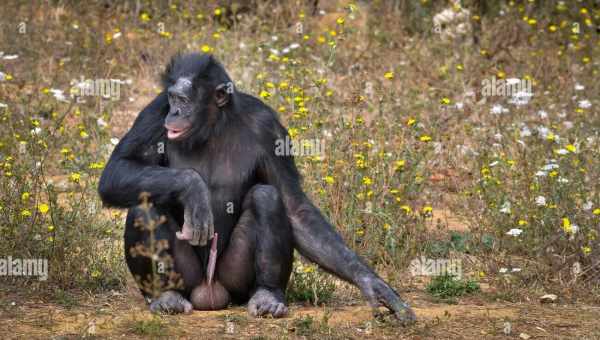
point(126, 316)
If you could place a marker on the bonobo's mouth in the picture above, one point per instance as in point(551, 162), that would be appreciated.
point(174, 134)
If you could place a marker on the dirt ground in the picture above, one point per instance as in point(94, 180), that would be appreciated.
point(125, 315)
point(119, 315)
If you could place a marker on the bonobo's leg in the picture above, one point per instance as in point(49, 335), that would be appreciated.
point(186, 273)
point(258, 260)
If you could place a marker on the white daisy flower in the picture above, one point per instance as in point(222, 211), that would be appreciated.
point(540, 201)
point(514, 232)
point(585, 104)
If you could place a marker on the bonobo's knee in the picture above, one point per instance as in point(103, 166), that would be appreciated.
point(266, 198)
point(142, 219)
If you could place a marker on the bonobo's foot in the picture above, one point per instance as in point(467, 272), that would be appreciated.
point(170, 302)
point(378, 293)
point(267, 302)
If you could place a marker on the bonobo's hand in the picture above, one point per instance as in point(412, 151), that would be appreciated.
point(198, 226)
point(378, 293)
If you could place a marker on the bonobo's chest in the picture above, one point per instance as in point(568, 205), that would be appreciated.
point(228, 170)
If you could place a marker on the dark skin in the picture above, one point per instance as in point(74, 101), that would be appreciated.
point(220, 175)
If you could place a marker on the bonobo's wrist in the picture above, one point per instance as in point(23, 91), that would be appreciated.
point(364, 279)
point(190, 183)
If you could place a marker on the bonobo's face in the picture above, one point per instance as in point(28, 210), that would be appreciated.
point(192, 104)
point(186, 106)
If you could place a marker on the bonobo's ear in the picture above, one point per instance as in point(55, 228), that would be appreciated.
point(222, 93)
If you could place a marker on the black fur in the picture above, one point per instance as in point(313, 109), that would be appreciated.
point(233, 155)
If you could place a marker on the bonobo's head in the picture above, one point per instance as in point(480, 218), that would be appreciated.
point(198, 89)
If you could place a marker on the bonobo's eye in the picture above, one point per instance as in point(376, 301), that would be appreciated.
point(178, 98)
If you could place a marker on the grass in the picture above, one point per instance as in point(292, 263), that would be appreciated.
point(152, 328)
point(310, 284)
point(448, 286)
point(407, 131)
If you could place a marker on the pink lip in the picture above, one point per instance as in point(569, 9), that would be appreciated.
point(174, 134)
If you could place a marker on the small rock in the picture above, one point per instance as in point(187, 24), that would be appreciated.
point(548, 298)
point(524, 336)
point(229, 327)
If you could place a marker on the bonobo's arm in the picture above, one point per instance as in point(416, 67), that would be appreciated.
point(135, 167)
point(317, 239)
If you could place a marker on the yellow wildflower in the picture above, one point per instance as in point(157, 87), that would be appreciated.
point(406, 209)
point(43, 208)
point(75, 177)
point(206, 48)
point(293, 132)
point(367, 180)
point(566, 225)
point(400, 164)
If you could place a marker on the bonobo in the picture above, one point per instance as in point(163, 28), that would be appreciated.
point(205, 154)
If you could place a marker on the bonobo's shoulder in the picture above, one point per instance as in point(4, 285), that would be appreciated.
point(251, 103)
point(260, 118)
point(258, 112)
point(147, 130)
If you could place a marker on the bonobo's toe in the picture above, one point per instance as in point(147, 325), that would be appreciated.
point(170, 302)
point(265, 302)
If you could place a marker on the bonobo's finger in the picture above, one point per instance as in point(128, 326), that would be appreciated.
point(186, 233)
point(281, 311)
point(211, 230)
point(263, 309)
point(203, 235)
point(181, 236)
point(194, 240)
point(253, 310)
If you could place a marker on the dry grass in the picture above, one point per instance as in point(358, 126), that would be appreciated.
point(406, 172)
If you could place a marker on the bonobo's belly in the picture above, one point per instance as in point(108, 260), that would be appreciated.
point(226, 208)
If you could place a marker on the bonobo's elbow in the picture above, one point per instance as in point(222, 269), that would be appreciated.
point(106, 189)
